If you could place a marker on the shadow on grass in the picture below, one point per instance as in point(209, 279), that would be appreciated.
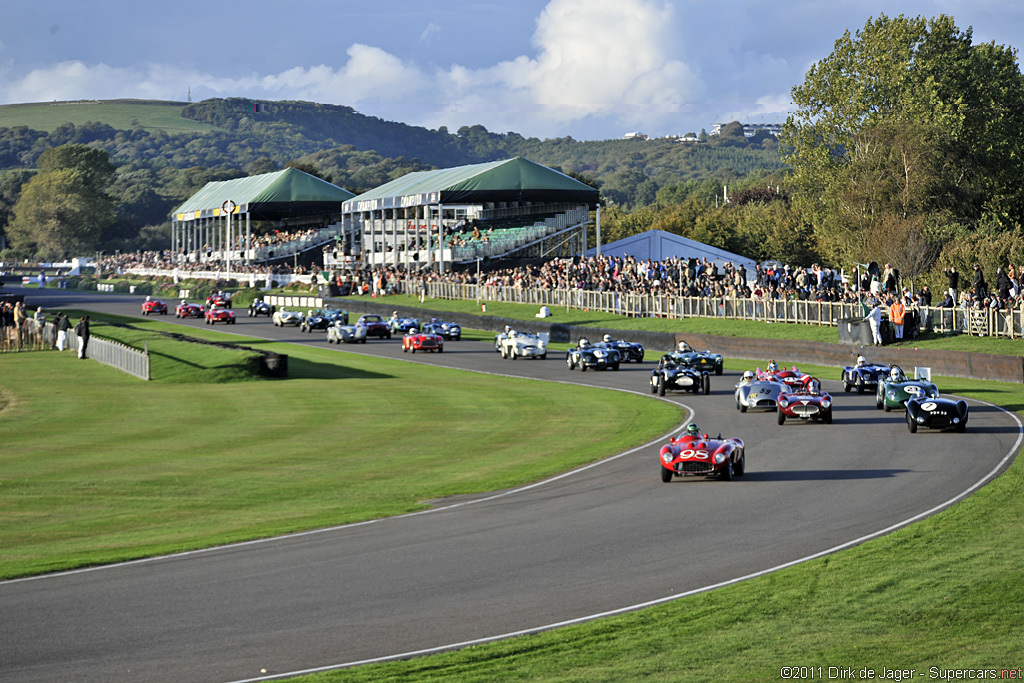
point(299, 368)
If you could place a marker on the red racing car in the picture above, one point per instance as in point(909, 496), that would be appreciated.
point(218, 314)
point(375, 326)
point(697, 455)
point(189, 310)
point(422, 341)
point(808, 402)
point(150, 306)
point(791, 377)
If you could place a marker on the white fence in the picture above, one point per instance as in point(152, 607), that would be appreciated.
point(987, 322)
point(114, 354)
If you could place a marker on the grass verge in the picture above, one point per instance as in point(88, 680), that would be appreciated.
point(99, 467)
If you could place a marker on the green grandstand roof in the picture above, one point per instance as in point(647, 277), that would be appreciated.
point(290, 192)
point(515, 179)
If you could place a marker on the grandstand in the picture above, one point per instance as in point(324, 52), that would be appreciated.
point(512, 208)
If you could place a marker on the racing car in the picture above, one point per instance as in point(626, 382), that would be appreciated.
point(402, 325)
point(261, 307)
point(759, 394)
point(315, 320)
point(895, 389)
point(524, 345)
point(936, 413)
point(153, 306)
point(695, 454)
point(584, 356)
point(340, 331)
point(375, 326)
point(671, 375)
point(426, 340)
point(864, 376)
point(701, 360)
point(283, 316)
point(791, 377)
point(219, 314)
point(628, 351)
point(449, 330)
point(806, 403)
point(219, 298)
point(189, 310)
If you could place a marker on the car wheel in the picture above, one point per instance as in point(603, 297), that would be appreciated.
point(405, 349)
point(885, 406)
point(847, 387)
point(615, 367)
point(740, 466)
point(583, 366)
point(440, 349)
point(860, 385)
point(878, 399)
point(388, 335)
point(569, 362)
point(661, 385)
point(718, 371)
point(707, 384)
point(363, 340)
point(782, 418)
point(512, 354)
point(741, 406)
point(504, 353)
point(413, 349)
point(727, 471)
point(666, 474)
point(911, 424)
point(962, 427)
point(543, 356)
point(654, 386)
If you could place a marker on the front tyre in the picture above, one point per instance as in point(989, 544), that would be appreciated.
point(666, 474)
point(782, 418)
point(727, 471)
point(706, 384)
point(740, 466)
point(911, 424)
point(661, 385)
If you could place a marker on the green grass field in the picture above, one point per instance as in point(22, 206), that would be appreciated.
point(119, 114)
point(943, 593)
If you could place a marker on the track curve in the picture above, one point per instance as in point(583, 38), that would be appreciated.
point(603, 538)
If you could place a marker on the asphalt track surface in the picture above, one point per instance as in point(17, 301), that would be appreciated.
point(602, 539)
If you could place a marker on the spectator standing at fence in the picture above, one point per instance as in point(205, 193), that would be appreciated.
point(952, 281)
point(1002, 284)
point(19, 315)
point(897, 312)
point(63, 325)
point(874, 318)
point(979, 287)
point(82, 330)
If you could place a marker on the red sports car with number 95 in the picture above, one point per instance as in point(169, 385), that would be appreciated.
point(697, 455)
point(151, 306)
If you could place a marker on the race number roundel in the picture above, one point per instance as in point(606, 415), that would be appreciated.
point(928, 406)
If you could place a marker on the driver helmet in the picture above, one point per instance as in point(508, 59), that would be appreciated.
point(692, 429)
point(607, 338)
point(309, 312)
point(773, 366)
point(412, 330)
point(894, 374)
point(684, 347)
point(583, 342)
point(183, 302)
point(507, 329)
point(748, 376)
point(861, 360)
point(813, 386)
point(149, 298)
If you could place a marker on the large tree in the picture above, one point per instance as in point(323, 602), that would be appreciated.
point(64, 209)
point(906, 119)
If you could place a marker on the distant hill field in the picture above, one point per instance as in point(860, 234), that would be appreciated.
point(150, 114)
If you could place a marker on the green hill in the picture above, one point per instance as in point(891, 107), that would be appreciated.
point(118, 114)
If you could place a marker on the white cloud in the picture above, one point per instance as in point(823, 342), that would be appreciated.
point(432, 31)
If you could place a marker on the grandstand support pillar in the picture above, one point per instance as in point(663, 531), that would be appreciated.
point(394, 240)
point(598, 221)
point(248, 239)
point(440, 239)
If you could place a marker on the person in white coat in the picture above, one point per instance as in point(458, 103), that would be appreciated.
point(874, 318)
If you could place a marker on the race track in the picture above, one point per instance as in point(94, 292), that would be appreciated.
point(604, 538)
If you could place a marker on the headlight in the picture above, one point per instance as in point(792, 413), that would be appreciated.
point(891, 393)
point(920, 420)
point(956, 420)
point(826, 403)
point(667, 457)
point(783, 403)
point(720, 458)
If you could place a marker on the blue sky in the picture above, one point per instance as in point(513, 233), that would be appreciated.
point(590, 69)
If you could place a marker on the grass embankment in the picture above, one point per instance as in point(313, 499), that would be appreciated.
point(98, 466)
point(119, 114)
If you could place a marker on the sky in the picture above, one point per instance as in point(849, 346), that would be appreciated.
point(589, 69)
